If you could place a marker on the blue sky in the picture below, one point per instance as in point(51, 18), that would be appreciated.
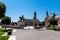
point(17, 8)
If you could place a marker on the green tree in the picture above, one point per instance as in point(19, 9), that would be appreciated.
point(53, 22)
point(2, 10)
point(6, 21)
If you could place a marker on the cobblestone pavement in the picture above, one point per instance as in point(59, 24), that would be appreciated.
point(36, 35)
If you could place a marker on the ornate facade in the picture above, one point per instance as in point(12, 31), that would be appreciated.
point(29, 22)
point(52, 16)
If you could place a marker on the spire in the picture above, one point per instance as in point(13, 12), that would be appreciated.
point(22, 17)
point(35, 15)
point(47, 13)
point(53, 15)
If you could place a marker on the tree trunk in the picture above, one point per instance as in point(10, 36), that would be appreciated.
point(53, 26)
point(5, 27)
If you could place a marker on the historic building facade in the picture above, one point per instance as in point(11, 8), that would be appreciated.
point(48, 17)
point(28, 22)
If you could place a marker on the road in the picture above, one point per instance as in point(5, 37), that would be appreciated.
point(36, 35)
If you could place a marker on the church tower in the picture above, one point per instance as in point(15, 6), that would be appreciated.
point(35, 16)
point(47, 14)
point(46, 19)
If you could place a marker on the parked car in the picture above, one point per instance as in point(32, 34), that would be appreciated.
point(29, 27)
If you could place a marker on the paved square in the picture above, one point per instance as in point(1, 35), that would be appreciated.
point(36, 35)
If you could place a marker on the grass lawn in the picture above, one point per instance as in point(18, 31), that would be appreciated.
point(55, 29)
point(48, 28)
point(2, 31)
point(4, 37)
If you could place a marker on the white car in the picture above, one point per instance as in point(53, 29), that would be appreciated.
point(29, 27)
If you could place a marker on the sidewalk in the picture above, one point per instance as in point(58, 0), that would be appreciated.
point(12, 37)
point(5, 34)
